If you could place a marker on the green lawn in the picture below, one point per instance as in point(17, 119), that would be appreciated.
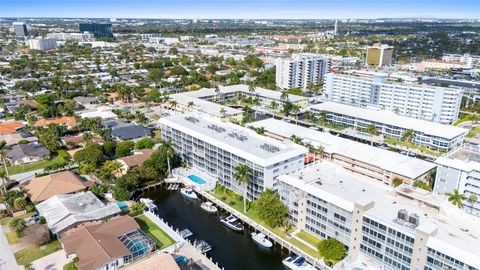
point(32, 253)
point(71, 265)
point(473, 132)
point(423, 149)
point(161, 238)
point(312, 240)
point(12, 238)
point(37, 165)
point(5, 221)
point(231, 199)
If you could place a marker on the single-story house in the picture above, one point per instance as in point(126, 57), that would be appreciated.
point(10, 127)
point(77, 141)
point(108, 245)
point(45, 187)
point(67, 211)
point(135, 160)
point(85, 101)
point(15, 138)
point(122, 130)
point(68, 121)
point(27, 153)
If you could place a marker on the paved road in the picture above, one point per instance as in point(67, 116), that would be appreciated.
point(22, 177)
point(7, 260)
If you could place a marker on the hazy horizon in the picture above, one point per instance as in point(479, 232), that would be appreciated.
point(246, 9)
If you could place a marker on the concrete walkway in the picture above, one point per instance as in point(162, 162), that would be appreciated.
point(190, 252)
point(7, 260)
point(54, 261)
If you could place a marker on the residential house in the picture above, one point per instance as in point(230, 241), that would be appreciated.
point(15, 138)
point(135, 160)
point(121, 130)
point(69, 122)
point(108, 245)
point(68, 211)
point(10, 127)
point(45, 187)
point(27, 153)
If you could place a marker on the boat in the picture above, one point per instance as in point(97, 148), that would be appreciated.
point(209, 207)
point(232, 223)
point(202, 245)
point(296, 262)
point(261, 239)
point(189, 193)
point(149, 205)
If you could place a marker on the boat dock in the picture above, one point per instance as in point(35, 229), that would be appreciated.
point(269, 234)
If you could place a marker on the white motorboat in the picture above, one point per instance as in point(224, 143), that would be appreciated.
point(202, 245)
point(209, 207)
point(296, 262)
point(261, 239)
point(149, 205)
point(189, 193)
point(232, 223)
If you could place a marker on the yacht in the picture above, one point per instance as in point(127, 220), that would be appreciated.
point(232, 223)
point(209, 207)
point(188, 193)
point(202, 245)
point(296, 262)
point(261, 239)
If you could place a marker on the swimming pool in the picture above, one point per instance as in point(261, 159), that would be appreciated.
point(197, 179)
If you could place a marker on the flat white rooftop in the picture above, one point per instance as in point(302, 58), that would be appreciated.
point(387, 160)
point(466, 158)
point(386, 117)
point(235, 139)
point(205, 106)
point(261, 92)
point(457, 234)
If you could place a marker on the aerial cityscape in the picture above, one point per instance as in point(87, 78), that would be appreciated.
point(239, 135)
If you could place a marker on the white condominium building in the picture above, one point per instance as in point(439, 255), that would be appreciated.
point(469, 60)
point(42, 44)
point(437, 104)
point(460, 170)
point(379, 164)
point(383, 227)
point(433, 135)
point(216, 148)
point(300, 70)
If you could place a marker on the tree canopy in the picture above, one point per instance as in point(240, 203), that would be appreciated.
point(270, 208)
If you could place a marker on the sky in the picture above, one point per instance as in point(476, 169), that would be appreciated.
point(242, 9)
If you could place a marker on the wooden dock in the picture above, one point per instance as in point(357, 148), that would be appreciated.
point(318, 263)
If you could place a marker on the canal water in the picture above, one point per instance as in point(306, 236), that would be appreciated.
point(233, 251)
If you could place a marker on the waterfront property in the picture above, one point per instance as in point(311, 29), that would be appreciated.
point(379, 164)
point(65, 212)
point(437, 104)
point(45, 187)
point(107, 245)
point(383, 227)
point(460, 170)
point(424, 133)
point(216, 148)
point(203, 100)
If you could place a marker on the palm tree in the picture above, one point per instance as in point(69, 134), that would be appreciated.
point(17, 225)
point(251, 87)
point(89, 169)
point(284, 95)
point(173, 104)
point(223, 112)
point(320, 150)
point(190, 104)
point(273, 105)
point(3, 156)
point(87, 138)
point(5, 179)
point(243, 177)
point(472, 199)
point(456, 198)
point(167, 149)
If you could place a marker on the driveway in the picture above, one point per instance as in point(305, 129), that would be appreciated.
point(54, 261)
point(7, 261)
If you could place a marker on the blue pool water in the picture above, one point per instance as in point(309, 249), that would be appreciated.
point(122, 205)
point(197, 179)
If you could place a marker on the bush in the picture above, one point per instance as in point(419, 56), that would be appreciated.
point(397, 181)
point(124, 148)
point(145, 143)
point(232, 203)
point(223, 198)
